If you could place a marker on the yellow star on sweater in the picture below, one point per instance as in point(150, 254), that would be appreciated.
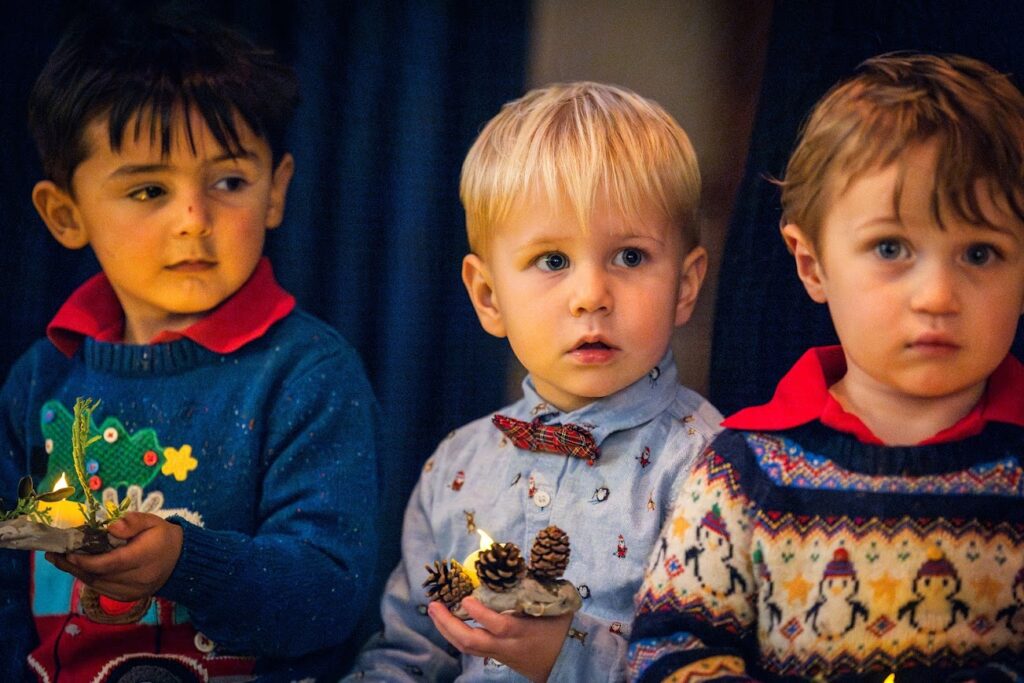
point(798, 588)
point(679, 526)
point(179, 462)
point(884, 588)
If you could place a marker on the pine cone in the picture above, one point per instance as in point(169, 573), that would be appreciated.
point(500, 567)
point(550, 554)
point(447, 582)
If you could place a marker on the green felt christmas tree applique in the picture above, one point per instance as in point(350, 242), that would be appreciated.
point(116, 460)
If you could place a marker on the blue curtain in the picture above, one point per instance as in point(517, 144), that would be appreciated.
point(393, 95)
point(764, 319)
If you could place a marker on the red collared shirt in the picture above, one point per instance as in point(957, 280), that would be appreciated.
point(94, 311)
point(803, 396)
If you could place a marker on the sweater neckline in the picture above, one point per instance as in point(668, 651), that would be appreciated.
point(165, 358)
point(848, 452)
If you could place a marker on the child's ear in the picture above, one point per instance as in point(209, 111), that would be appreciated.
point(279, 190)
point(695, 267)
point(808, 265)
point(57, 209)
point(480, 286)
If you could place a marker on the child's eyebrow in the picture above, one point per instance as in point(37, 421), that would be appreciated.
point(887, 220)
point(137, 169)
point(999, 230)
point(652, 236)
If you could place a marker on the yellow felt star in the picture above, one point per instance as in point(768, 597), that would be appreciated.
point(797, 589)
point(679, 526)
point(179, 462)
point(987, 588)
point(884, 588)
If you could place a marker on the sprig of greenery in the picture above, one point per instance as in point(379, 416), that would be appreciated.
point(29, 500)
point(80, 442)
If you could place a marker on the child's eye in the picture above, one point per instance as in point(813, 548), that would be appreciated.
point(231, 184)
point(890, 250)
point(629, 257)
point(144, 194)
point(553, 261)
point(979, 254)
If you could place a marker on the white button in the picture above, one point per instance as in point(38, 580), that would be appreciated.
point(541, 499)
point(204, 644)
point(110, 434)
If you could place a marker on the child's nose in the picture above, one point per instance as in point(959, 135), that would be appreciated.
point(195, 216)
point(590, 293)
point(935, 292)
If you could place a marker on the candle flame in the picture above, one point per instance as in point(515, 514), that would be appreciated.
point(62, 483)
point(469, 564)
point(891, 678)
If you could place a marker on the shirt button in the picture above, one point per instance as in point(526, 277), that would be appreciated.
point(541, 499)
point(204, 644)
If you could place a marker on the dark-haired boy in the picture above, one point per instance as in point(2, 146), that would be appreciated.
point(232, 420)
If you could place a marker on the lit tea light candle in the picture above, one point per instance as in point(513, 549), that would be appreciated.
point(65, 514)
point(469, 565)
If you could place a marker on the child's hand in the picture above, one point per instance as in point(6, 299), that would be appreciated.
point(529, 645)
point(133, 571)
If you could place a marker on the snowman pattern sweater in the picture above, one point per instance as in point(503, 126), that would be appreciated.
point(802, 548)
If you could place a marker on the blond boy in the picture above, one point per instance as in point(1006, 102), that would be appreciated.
point(581, 209)
point(868, 519)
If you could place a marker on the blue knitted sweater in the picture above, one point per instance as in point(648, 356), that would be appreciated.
point(264, 456)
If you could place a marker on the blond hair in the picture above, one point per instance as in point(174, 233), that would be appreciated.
point(898, 100)
point(572, 142)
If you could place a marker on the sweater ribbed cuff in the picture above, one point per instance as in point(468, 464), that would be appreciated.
point(206, 568)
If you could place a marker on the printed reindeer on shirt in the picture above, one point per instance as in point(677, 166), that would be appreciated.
point(712, 556)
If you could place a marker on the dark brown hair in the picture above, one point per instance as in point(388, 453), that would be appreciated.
point(898, 100)
point(145, 65)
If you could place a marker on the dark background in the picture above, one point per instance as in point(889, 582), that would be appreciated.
point(393, 95)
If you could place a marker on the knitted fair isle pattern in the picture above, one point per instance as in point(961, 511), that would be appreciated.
point(820, 570)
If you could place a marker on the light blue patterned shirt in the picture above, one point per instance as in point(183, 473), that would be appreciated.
point(649, 435)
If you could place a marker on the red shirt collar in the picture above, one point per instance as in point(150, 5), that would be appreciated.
point(93, 310)
point(802, 396)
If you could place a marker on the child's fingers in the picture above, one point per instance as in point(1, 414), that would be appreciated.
point(132, 524)
point(61, 562)
point(500, 625)
point(117, 590)
point(441, 617)
point(471, 641)
point(116, 561)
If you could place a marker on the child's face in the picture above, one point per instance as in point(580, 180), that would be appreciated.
point(590, 313)
point(922, 312)
point(176, 235)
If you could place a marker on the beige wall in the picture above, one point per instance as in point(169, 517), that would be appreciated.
point(702, 60)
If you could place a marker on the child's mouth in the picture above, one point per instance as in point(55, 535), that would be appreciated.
point(191, 266)
point(594, 353)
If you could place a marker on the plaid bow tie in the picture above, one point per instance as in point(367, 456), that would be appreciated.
point(568, 439)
